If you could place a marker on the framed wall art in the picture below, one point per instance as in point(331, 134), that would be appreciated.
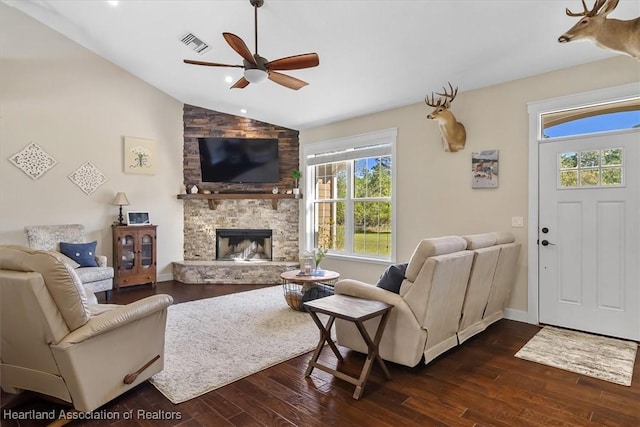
point(484, 169)
point(139, 156)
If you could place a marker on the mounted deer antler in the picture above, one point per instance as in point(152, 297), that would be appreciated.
point(454, 136)
point(612, 34)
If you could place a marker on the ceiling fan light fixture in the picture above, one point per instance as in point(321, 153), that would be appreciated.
point(254, 75)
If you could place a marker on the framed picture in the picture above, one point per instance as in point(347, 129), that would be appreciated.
point(484, 169)
point(139, 156)
point(138, 218)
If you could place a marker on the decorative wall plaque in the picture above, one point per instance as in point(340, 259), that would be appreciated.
point(33, 160)
point(88, 178)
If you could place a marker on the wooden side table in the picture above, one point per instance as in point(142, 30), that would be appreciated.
point(356, 310)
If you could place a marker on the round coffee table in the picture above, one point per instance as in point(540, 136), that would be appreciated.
point(299, 288)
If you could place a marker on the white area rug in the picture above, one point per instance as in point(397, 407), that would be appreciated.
point(604, 358)
point(213, 342)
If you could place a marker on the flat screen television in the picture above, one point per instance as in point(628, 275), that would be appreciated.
point(246, 160)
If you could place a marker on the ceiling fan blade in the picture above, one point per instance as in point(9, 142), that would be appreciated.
point(240, 84)
point(287, 81)
point(239, 46)
point(210, 64)
point(296, 62)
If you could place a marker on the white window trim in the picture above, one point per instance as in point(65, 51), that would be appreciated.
point(385, 136)
point(536, 109)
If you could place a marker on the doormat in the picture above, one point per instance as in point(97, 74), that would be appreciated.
point(608, 359)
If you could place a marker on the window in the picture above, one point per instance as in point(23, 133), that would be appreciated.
point(350, 195)
point(612, 116)
point(592, 168)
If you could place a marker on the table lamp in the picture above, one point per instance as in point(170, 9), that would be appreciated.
point(120, 200)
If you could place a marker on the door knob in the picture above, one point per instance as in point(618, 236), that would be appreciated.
point(547, 243)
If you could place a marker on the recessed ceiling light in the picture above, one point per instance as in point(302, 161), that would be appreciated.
point(243, 110)
point(113, 2)
point(228, 79)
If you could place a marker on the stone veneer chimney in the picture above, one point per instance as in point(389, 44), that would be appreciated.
point(200, 222)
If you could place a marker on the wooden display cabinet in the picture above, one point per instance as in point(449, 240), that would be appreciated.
point(134, 255)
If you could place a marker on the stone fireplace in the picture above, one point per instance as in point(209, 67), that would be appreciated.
point(201, 223)
point(202, 220)
point(243, 244)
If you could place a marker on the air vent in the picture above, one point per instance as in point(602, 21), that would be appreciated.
point(195, 43)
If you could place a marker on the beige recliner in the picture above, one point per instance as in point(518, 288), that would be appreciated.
point(426, 313)
point(55, 342)
point(503, 279)
point(485, 259)
point(492, 277)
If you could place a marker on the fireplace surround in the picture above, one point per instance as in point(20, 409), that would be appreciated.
point(201, 264)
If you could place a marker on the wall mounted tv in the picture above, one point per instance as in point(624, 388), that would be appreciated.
point(246, 160)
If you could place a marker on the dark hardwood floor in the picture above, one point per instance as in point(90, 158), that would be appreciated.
point(479, 383)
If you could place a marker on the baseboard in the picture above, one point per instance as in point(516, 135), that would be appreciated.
point(165, 277)
point(517, 315)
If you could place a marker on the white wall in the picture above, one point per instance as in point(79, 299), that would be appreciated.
point(434, 195)
point(78, 107)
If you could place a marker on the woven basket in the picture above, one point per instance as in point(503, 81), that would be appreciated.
point(296, 294)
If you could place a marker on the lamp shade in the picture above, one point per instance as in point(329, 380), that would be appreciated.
point(120, 200)
point(254, 75)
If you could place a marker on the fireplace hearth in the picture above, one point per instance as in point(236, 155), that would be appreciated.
point(243, 244)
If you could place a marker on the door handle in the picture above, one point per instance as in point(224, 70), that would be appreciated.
point(547, 243)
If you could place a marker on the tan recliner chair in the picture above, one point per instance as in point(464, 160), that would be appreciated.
point(426, 313)
point(493, 274)
point(56, 343)
point(485, 259)
point(503, 279)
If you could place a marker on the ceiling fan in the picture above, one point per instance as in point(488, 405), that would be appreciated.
point(257, 68)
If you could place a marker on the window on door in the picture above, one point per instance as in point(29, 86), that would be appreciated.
point(591, 168)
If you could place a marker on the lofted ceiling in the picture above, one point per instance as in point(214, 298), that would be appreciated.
point(374, 55)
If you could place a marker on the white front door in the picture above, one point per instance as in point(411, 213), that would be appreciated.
point(589, 234)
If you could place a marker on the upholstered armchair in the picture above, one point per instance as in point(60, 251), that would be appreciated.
point(427, 309)
point(55, 342)
point(95, 278)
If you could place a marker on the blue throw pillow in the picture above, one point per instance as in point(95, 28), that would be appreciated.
point(392, 278)
point(82, 253)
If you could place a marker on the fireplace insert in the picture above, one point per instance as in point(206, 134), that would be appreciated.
point(244, 244)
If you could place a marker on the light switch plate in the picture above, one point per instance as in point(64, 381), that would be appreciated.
point(517, 221)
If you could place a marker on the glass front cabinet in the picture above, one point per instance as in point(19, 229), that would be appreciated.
point(134, 255)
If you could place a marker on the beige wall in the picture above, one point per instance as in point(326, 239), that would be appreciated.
point(434, 195)
point(78, 107)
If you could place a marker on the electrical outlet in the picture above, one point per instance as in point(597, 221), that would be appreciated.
point(517, 221)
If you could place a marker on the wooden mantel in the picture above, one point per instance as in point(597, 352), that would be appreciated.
point(214, 198)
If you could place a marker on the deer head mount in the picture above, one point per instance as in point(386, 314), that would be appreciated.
point(612, 34)
point(454, 136)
